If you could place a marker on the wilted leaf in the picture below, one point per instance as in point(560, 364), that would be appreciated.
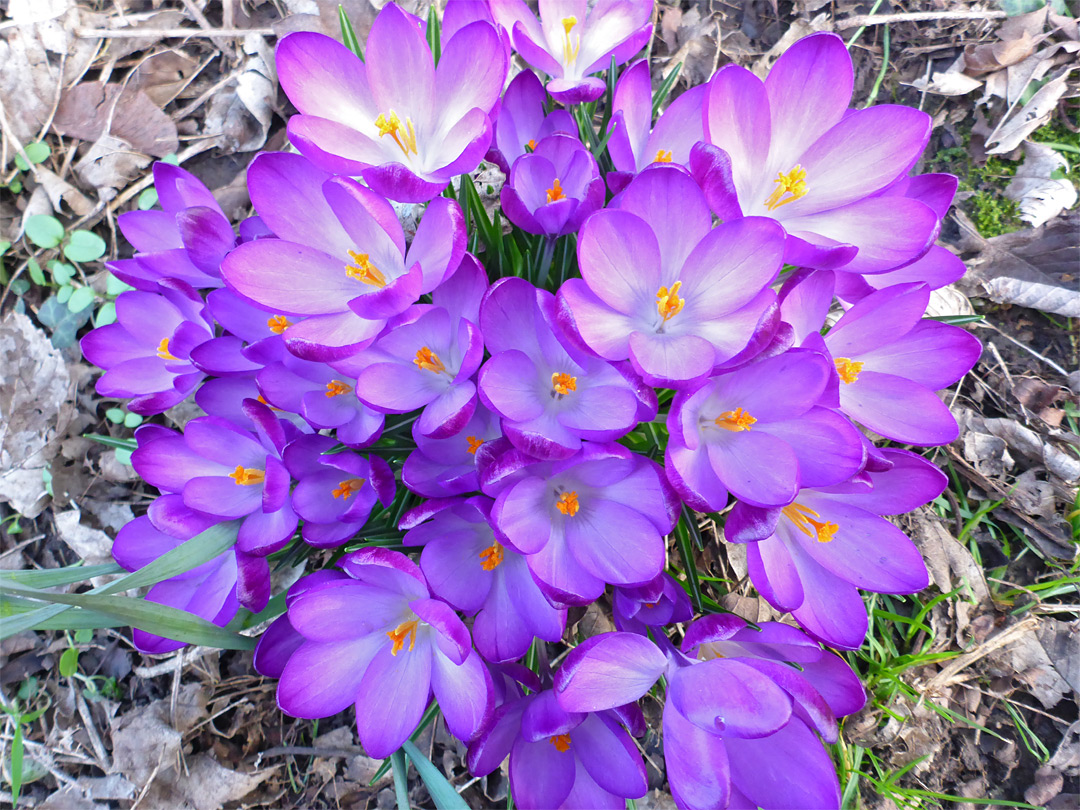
point(947, 83)
point(91, 110)
point(950, 563)
point(1011, 133)
point(110, 164)
point(1041, 196)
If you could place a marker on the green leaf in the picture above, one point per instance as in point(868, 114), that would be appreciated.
point(55, 577)
point(36, 275)
point(132, 420)
point(442, 792)
point(44, 231)
point(123, 456)
point(348, 35)
point(16, 764)
point(38, 152)
point(114, 286)
point(401, 782)
point(106, 314)
point(82, 298)
point(147, 199)
point(172, 159)
point(4, 245)
point(69, 662)
point(63, 295)
point(665, 88)
point(112, 441)
point(61, 273)
point(434, 36)
point(64, 323)
point(84, 246)
point(83, 636)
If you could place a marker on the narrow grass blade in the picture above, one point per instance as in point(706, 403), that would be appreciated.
point(442, 792)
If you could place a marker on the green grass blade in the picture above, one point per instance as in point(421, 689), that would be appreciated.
point(442, 792)
point(51, 578)
point(401, 782)
point(348, 35)
point(664, 89)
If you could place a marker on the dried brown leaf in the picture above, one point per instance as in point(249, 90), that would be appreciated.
point(1011, 132)
point(109, 165)
point(1041, 196)
point(950, 563)
point(162, 76)
point(91, 110)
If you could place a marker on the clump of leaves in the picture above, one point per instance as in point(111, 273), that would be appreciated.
point(994, 215)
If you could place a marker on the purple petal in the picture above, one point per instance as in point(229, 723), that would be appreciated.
point(608, 670)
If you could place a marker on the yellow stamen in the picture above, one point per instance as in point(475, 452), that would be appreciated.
point(848, 369)
point(278, 324)
point(803, 518)
point(348, 487)
point(427, 360)
point(531, 143)
point(267, 404)
point(399, 633)
point(555, 192)
point(163, 350)
point(570, 50)
point(335, 388)
point(663, 156)
point(790, 186)
point(561, 743)
point(563, 384)
point(474, 443)
point(668, 303)
point(735, 420)
point(363, 270)
point(568, 504)
point(491, 556)
point(246, 476)
point(402, 133)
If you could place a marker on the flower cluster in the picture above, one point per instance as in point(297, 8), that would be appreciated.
point(474, 417)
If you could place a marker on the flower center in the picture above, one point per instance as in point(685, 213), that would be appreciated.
point(668, 303)
point(427, 360)
point(735, 420)
point(562, 384)
point(163, 350)
point(398, 635)
point(363, 270)
point(555, 192)
point(663, 156)
point(348, 487)
point(570, 49)
point(803, 518)
point(789, 187)
point(402, 132)
point(531, 143)
point(561, 743)
point(848, 369)
point(278, 324)
point(246, 476)
point(335, 388)
point(491, 556)
point(474, 443)
point(568, 503)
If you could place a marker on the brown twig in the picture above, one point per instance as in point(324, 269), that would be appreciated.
point(169, 33)
point(917, 16)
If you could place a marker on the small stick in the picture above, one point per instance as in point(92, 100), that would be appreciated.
point(169, 33)
point(863, 20)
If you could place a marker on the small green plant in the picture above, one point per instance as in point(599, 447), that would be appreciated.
point(28, 705)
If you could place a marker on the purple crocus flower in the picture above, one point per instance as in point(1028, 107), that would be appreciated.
point(570, 41)
point(207, 591)
point(595, 518)
point(335, 492)
point(811, 557)
point(379, 641)
point(467, 566)
point(759, 433)
point(662, 287)
point(654, 604)
point(550, 394)
point(794, 152)
point(279, 641)
point(223, 470)
point(553, 189)
point(561, 759)
point(522, 122)
point(185, 241)
point(441, 468)
point(635, 143)
point(252, 336)
point(403, 124)
point(147, 353)
point(339, 258)
point(428, 357)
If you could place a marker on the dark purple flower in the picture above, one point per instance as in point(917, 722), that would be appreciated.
point(759, 433)
point(561, 759)
point(339, 258)
point(570, 41)
point(635, 143)
point(223, 470)
point(440, 468)
point(791, 150)
point(811, 557)
point(662, 287)
point(428, 357)
point(147, 353)
point(335, 492)
point(522, 121)
point(595, 518)
point(550, 394)
point(403, 124)
point(551, 190)
point(377, 640)
point(468, 567)
point(654, 604)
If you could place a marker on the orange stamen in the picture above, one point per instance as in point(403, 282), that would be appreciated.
point(400, 633)
point(491, 556)
point(848, 369)
point(335, 388)
point(278, 324)
point(668, 303)
point(363, 270)
point(663, 156)
point(531, 143)
point(163, 350)
point(348, 487)
point(563, 384)
point(474, 443)
point(555, 192)
point(246, 476)
point(735, 420)
point(803, 518)
point(568, 504)
point(427, 360)
point(561, 743)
